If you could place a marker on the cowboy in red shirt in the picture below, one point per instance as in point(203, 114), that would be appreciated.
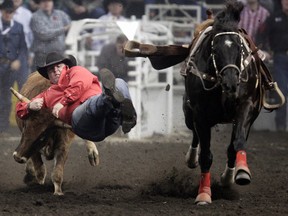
point(75, 97)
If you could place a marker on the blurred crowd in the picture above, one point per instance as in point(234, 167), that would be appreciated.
point(32, 28)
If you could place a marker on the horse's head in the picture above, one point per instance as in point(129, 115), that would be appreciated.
point(227, 57)
point(227, 49)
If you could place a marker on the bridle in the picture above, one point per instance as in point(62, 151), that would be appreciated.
point(242, 73)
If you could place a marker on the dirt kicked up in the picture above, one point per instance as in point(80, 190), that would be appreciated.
point(149, 177)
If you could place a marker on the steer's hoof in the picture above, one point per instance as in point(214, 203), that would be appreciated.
point(58, 193)
point(203, 199)
point(94, 159)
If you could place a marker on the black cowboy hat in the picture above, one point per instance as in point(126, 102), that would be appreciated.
point(7, 5)
point(56, 58)
point(107, 2)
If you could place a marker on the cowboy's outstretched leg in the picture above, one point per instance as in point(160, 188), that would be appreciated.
point(118, 92)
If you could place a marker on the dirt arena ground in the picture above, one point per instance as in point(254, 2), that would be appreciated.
point(149, 177)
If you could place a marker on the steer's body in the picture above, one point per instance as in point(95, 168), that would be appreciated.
point(40, 135)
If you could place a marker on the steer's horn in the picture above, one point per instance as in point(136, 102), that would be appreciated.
point(62, 124)
point(19, 96)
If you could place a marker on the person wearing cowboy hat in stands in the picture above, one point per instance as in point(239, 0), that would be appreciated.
point(75, 97)
point(114, 9)
point(12, 49)
point(49, 26)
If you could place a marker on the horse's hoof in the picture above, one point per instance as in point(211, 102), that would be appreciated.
point(242, 178)
point(227, 177)
point(203, 199)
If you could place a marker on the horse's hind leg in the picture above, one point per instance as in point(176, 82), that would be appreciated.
point(191, 156)
point(227, 177)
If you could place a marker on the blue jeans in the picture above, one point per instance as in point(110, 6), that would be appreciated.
point(281, 77)
point(97, 117)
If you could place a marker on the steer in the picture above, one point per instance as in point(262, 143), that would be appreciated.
point(43, 134)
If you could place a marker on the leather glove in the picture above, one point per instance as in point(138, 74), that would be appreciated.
point(36, 104)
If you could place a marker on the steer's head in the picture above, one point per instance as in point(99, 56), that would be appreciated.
point(35, 130)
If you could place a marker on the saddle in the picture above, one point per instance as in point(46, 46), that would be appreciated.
point(162, 57)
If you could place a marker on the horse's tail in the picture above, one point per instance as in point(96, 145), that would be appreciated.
point(231, 13)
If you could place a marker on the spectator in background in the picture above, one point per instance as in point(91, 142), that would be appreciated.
point(112, 58)
point(268, 4)
point(32, 5)
point(12, 46)
point(135, 8)
point(23, 16)
point(252, 16)
point(49, 27)
point(114, 10)
point(81, 9)
point(272, 37)
point(277, 5)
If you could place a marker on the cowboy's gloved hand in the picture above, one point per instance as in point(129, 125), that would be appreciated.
point(57, 107)
point(36, 104)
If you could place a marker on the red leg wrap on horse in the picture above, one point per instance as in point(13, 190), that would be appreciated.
point(204, 186)
point(241, 158)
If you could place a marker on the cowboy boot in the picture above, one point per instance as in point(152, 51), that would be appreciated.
point(129, 116)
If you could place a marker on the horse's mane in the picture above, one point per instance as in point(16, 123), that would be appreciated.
point(228, 18)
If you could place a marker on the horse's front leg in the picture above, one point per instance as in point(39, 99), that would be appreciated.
point(237, 168)
point(205, 161)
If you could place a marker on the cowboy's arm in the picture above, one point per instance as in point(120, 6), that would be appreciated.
point(23, 109)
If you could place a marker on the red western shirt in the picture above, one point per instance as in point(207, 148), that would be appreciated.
point(74, 87)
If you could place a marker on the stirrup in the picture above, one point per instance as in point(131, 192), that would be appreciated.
point(272, 107)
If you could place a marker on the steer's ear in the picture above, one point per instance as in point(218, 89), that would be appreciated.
point(19, 96)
